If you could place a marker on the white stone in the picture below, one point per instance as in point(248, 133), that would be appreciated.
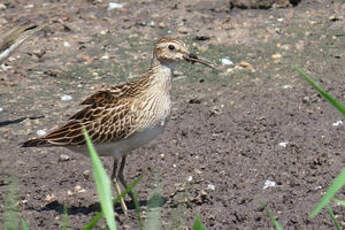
point(105, 56)
point(64, 157)
point(226, 61)
point(286, 86)
point(3, 6)
point(29, 6)
point(114, 5)
point(189, 179)
point(269, 183)
point(318, 187)
point(66, 44)
point(1, 109)
point(211, 187)
point(283, 144)
point(66, 97)
point(337, 123)
point(41, 132)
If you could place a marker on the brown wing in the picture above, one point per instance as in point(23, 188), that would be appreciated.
point(112, 94)
point(125, 90)
point(101, 97)
point(103, 122)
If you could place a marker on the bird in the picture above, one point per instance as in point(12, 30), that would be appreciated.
point(124, 117)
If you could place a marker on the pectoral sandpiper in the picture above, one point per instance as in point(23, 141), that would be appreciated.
point(125, 116)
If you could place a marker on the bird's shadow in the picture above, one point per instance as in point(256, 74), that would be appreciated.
point(15, 121)
point(95, 207)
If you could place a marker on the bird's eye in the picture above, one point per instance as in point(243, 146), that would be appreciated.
point(171, 47)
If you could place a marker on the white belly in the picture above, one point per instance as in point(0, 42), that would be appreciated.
point(121, 147)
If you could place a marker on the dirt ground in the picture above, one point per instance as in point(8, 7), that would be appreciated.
point(251, 131)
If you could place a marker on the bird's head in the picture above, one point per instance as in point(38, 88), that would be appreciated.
point(169, 51)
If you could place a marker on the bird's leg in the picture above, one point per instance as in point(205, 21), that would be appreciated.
point(117, 186)
point(122, 178)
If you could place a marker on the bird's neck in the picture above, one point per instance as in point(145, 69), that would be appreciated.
point(161, 74)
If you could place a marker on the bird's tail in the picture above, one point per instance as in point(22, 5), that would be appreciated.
point(36, 143)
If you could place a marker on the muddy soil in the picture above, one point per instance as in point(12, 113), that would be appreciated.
point(252, 131)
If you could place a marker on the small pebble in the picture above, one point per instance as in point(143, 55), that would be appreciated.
point(29, 6)
point(161, 25)
point(337, 123)
point(276, 56)
point(114, 5)
point(64, 157)
point(183, 30)
point(286, 86)
point(11, 59)
point(211, 187)
point(226, 61)
point(318, 187)
point(66, 97)
point(283, 144)
point(245, 64)
point(203, 193)
point(197, 171)
point(189, 179)
point(79, 189)
point(280, 19)
point(105, 57)
point(306, 99)
point(269, 183)
point(3, 6)
point(66, 44)
point(50, 197)
point(86, 173)
point(152, 24)
point(41, 132)
point(1, 109)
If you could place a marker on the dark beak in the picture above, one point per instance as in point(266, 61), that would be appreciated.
point(192, 58)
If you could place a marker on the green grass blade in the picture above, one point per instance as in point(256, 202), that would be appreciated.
point(11, 219)
point(328, 96)
point(153, 220)
point(272, 218)
point(25, 225)
point(103, 185)
point(198, 225)
point(99, 215)
point(137, 209)
point(65, 218)
point(330, 212)
point(338, 182)
point(341, 202)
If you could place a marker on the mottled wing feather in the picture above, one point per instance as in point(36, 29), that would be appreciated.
point(115, 92)
point(99, 97)
point(103, 124)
